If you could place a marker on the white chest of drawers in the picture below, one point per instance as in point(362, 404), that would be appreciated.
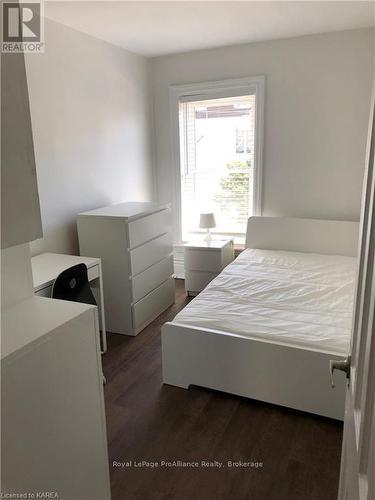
point(134, 242)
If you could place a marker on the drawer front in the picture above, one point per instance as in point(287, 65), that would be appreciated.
point(93, 272)
point(44, 292)
point(148, 308)
point(203, 260)
point(144, 256)
point(147, 228)
point(196, 281)
point(150, 279)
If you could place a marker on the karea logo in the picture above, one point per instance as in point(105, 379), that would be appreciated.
point(23, 27)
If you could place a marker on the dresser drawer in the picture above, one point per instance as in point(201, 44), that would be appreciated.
point(93, 272)
point(151, 278)
point(147, 228)
point(203, 260)
point(144, 256)
point(153, 304)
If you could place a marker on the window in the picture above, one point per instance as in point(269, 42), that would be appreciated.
point(219, 155)
point(243, 138)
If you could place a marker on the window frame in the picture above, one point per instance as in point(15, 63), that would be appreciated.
point(215, 90)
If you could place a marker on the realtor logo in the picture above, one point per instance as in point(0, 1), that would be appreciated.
point(23, 29)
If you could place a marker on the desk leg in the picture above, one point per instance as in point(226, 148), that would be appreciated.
point(102, 315)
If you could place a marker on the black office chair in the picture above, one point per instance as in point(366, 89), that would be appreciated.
point(73, 285)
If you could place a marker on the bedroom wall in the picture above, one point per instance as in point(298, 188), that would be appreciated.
point(316, 116)
point(91, 116)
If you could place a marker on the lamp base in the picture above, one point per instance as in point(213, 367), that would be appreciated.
point(208, 236)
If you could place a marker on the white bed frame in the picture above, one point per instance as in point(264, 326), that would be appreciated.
point(283, 374)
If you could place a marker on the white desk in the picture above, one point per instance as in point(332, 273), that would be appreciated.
point(47, 266)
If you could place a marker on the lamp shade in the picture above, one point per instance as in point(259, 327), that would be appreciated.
point(207, 221)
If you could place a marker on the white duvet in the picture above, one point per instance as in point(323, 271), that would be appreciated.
point(301, 299)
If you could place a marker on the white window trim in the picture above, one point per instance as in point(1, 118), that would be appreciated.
point(212, 90)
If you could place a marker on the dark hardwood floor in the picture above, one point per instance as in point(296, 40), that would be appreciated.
point(147, 421)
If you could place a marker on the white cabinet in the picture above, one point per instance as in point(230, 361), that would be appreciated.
point(53, 420)
point(134, 242)
point(204, 261)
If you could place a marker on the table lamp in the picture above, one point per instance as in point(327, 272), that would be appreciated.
point(207, 221)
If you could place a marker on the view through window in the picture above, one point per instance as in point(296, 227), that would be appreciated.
point(217, 162)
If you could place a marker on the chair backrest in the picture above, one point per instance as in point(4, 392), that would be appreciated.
point(73, 285)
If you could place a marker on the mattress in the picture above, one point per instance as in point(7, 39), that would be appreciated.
point(301, 299)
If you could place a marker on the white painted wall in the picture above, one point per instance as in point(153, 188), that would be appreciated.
point(91, 116)
point(317, 105)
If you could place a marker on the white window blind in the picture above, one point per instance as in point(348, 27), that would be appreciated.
point(217, 162)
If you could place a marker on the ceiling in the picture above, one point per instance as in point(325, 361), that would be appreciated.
point(158, 28)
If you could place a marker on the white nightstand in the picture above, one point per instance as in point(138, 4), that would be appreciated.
point(204, 261)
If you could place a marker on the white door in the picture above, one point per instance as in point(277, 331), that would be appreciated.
point(357, 481)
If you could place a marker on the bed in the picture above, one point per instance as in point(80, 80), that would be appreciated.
point(268, 325)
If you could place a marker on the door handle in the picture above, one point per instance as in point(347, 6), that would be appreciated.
point(343, 366)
